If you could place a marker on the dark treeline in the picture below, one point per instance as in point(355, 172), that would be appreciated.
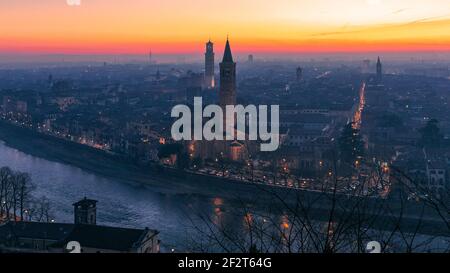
point(16, 200)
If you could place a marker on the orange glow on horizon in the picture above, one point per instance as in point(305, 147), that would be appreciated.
point(175, 26)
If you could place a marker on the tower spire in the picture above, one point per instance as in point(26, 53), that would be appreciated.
point(379, 71)
point(227, 56)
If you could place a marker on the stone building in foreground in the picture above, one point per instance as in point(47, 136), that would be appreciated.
point(40, 237)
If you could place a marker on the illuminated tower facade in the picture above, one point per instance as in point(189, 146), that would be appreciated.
point(379, 71)
point(227, 93)
point(209, 65)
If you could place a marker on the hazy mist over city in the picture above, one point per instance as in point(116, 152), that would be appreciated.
point(14, 59)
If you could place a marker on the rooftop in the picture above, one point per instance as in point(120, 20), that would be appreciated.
point(91, 236)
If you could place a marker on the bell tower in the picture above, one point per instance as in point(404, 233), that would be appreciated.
point(227, 93)
point(209, 65)
point(85, 212)
point(379, 71)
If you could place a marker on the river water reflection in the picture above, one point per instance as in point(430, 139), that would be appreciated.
point(120, 203)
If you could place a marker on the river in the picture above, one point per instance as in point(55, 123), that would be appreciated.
point(125, 204)
point(120, 203)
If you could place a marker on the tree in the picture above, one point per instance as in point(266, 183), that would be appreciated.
point(390, 120)
point(351, 145)
point(5, 179)
point(197, 162)
point(299, 221)
point(182, 160)
point(177, 149)
point(24, 187)
point(431, 136)
point(167, 150)
point(15, 194)
point(40, 210)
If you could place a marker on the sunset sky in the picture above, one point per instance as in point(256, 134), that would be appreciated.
point(181, 26)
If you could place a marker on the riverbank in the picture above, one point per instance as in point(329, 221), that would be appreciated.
point(99, 162)
point(172, 181)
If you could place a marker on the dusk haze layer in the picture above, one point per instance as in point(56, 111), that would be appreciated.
point(176, 26)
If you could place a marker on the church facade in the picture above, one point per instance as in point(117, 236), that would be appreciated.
point(235, 150)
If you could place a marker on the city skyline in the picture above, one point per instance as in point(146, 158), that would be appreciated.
point(243, 127)
point(95, 27)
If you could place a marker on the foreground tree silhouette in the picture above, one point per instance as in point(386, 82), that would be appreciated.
point(16, 200)
point(297, 221)
point(351, 145)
